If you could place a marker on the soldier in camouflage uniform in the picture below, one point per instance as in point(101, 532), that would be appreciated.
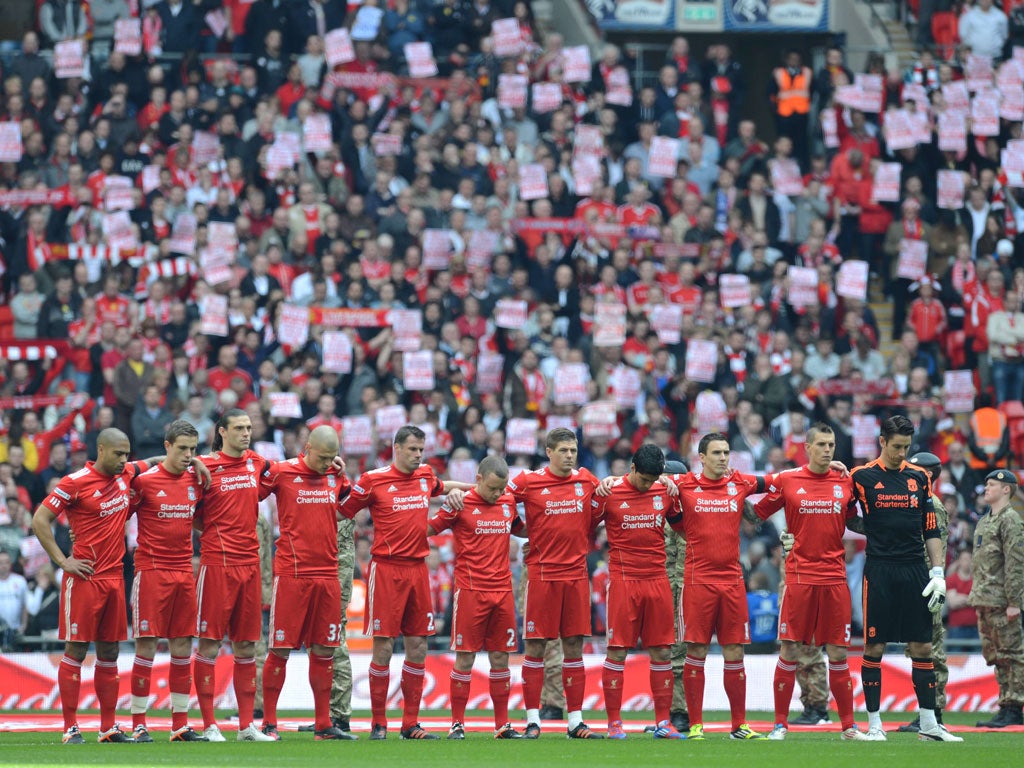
point(341, 687)
point(552, 697)
point(675, 558)
point(266, 538)
point(933, 465)
point(997, 593)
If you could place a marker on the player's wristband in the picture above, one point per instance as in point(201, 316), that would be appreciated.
point(937, 572)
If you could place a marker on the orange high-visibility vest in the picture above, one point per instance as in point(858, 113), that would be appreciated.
point(987, 425)
point(794, 94)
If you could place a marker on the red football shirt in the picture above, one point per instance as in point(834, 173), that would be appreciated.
point(817, 508)
point(635, 525)
point(712, 511)
point(97, 507)
point(398, 503)
point(558, 520)
point(165, 504)
point(230, 508)
point(307, 512)
point(481, 534)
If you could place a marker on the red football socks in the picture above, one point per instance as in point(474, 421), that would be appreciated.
point(500, 685)
point(458, 692)
point(841, 685)
point(274, 670)
point(661, 689)
point(321, 673)
point(69, 682)
point(107, 683)
point(204, 674)
point(693, 670)
point(613, 675)
point(785, 678)
point(533, 681)
point(142, 678)
point(244, 679)
point(574, 682)
point(380, 682)
point(412, 691)
point(736, 691)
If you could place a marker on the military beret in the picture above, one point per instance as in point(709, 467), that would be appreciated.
point(1003, 476)
point(675, 468)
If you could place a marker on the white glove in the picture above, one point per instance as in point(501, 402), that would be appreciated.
point(788, 540)
point(935, 589)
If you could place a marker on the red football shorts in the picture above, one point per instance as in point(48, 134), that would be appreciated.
point(92, 610)
point(483, 621)
point(816, 614)
point(556, 609)
point(305, 611)
point(230, 602)
point(163, 604)
point(640, 611)
point(710, 609)
point(398, 600)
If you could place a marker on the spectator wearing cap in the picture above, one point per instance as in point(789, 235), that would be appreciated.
point(1005, 330)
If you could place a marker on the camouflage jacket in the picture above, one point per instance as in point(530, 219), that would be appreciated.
point(998, 560)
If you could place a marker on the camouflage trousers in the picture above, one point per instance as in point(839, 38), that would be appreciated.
point(552, 694)
point(261, 657)
point(341, 685)
point(938, 659)
point(812, 677)
point(675, 556)
point(1003, 648)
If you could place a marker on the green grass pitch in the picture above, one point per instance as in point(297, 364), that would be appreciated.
point(800, 750)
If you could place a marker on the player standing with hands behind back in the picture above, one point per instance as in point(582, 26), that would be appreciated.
point(899, 592)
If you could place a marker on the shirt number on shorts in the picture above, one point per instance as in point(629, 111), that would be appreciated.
point(511, 639)
point(847, 633)
point(746, 630)
point(333, 633)
point(430, 622)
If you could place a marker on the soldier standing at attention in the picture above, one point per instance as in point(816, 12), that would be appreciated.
point(997, 592)
point(675, 558)
point(933, 466)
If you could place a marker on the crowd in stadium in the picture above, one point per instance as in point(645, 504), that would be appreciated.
point(369, 216)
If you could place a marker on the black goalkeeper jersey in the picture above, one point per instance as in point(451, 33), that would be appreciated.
point(898, 512)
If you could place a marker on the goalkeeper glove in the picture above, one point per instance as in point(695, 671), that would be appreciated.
point(935, 591)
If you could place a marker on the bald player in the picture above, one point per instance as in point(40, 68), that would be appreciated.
point(306, 608)
point(96, 501)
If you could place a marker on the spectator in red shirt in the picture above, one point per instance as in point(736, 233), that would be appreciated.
point(927, 316)
point(220, 376)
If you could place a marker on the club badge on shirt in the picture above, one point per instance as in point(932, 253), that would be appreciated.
point(731, 489)
point(423, 485)
point(658, 506)
point(191, 493)
point(579, 489)
point(121, 485)
point(249, 466)
point(331, 481)
point(504, 511)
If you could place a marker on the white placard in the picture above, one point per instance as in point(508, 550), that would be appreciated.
point(533, 182)
point(865, 436)
point(952, 130)
point(667, 322)
point(950, 189)
point(420, 57)
point(69, 59)
point(213, 320)
point(408, 327)
point(356, 435)
point(489, 369)
point(625, 382)
point(338, 47)
point(886, 185)
point(734, 290)
point(803, 286)
point(576, 64)
point(786, 177)
point(959, 387)
point(418, 370)
point(389, 420)
point(337, 352)
point(510, 313)
point(11, 148)
point(913, 259)
point(285, 405)
point(664, 155)
point(293, 326)
point(506, 36)
point(609, 324)
point(546, 97)
point(316, 131)
point(128, 36)
point(852, 280)
point(570, 384)
point(701, 360)
point(512, 90)
point(521, 436)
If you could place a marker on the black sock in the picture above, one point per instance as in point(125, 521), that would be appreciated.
point(923, 676)
point(871, 679)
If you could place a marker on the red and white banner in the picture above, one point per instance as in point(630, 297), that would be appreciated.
point(389, 420)
point(420, 57)
point(512, 91)
point(663, 157)
point(899, 131)
point(626, 383)
point(959, 388)
point(69, 59)
point(600, 420)
point(533, 182)
point(701, 360)
point(865, 436)
point(786, 177)
point(521, 437)
point(464, 470)
point(489, 369)
point(852, 280)
point(437, 246)
point(952, 130)
point(350, 318)
point(356, 435)
point(213, 320)
point(570, 384)
point(30, 350)
point(885, 187)
point(316, 132)
point(408, 327)
point(128, 36)
point(337, 352)
point(510, 313)
point(338, 47)
point(609, 324)
point(950, 189)
point(733, 290)
point(418, 370)
point(913, 259)
point(803, 286)
point(985, 114)
point(506, 36)
point(30, 683)
point(546, 97)
point(576, 64)
point(285, 405)
point(293, 326)
point(667, 322)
